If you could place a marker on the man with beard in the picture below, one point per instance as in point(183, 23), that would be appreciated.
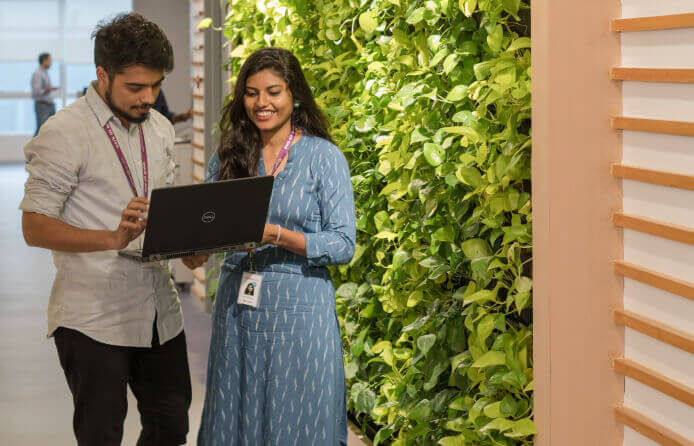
point(91, 169)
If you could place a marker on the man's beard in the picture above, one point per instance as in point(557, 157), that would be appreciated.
point(119, 112)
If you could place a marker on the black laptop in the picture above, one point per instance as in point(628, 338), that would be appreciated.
point(205, 218)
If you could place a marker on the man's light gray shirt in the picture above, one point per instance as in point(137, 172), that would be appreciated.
point(75, 176)
point(39, 82)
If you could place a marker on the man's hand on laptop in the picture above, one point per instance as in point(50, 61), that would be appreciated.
point(133, 222)
point(194, 262)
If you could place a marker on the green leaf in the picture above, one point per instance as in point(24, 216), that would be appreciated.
point(519, 43)
point(522, 428)
point(424, 343)
point(433, 153)
point(480, 296)
point(468, 7)
point(368, 21)
point(495, 38)
point(511, 6)
point(414, 298)
point(475, 248)
point(457, 93)
point(351, 370)
point(458, 440)
point(444, 234)
point(416, 16)
point(346, 289)
point(364, 400)
point(450, 63)
point(489, 359)
point(493, 410)
point(205, 23)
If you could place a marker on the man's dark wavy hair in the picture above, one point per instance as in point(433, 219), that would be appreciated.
point(131, 39)
point(240, 145)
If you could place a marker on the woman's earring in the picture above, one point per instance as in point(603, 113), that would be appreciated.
point(296, 105)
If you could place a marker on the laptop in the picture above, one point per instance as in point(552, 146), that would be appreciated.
point(204, 218)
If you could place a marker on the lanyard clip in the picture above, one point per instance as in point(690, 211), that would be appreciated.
point(250, 261)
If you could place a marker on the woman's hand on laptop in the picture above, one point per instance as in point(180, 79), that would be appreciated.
point(133, 222)
point(194, 262)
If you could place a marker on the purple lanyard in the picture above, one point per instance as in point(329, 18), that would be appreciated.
point(283, 152)
point(124, 164)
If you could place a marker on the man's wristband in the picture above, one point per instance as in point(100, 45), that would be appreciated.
point(279, 232)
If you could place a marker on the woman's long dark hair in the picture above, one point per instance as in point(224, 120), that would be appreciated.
point(240, 144)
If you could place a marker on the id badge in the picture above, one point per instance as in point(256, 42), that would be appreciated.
point(249, 293)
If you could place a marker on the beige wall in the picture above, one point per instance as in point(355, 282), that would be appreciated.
point(173, 16)
point(575, 242)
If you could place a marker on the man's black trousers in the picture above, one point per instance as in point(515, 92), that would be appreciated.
point(98, 375)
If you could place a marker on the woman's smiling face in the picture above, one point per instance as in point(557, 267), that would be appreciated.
point(268, 101)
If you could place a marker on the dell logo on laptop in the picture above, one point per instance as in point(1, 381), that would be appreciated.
point(208, 217)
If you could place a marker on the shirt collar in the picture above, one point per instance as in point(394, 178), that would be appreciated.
point(101, 110)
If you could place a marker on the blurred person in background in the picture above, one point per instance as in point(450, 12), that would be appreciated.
point(41, 90)
point(162, 107)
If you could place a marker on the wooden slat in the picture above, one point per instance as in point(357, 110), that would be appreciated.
point(654, 227)
point(649, 428)
point(657, 330)
point(198, 129)
point(198, 113)
point(198, 162)
point(681, 75)
point(682, 128)
point(198, 276)
point(196, 63)
point(658, 177)
point(198, 178)
point(653, 23)
point(197, 96)
point(654, 380)
point(197, 146)
point(655, 279)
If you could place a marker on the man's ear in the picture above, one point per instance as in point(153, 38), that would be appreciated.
point(102, 78)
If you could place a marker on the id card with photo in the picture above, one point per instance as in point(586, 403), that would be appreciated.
point(249, 293)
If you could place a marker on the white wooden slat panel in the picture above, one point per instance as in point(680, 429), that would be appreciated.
point(645, 8)
point(659, 356)
point(199, 138)
point(662, 255)
point(633, 438)
point(657, 100)
point(666, 204)
point(668, 308)
point(198, 121)
point(662, 409)
point(659, 151)
point(672, 48)
point(198, 71)
point(198, 39)
point(198, 171)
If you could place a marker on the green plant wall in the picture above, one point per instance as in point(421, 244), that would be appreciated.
point(430, 102)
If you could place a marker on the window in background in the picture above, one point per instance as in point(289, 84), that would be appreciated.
point(60, 27)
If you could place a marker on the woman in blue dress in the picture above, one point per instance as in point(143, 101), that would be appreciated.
point(276, 371)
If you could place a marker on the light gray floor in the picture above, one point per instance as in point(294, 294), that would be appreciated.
point(35, 403)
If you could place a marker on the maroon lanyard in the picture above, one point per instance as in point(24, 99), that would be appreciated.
point(124, 164)
point(283, 151)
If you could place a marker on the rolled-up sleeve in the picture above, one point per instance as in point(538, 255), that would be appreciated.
point(53, 172)
point(334, 244)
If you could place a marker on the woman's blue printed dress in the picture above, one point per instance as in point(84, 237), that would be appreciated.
point(276, 373)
